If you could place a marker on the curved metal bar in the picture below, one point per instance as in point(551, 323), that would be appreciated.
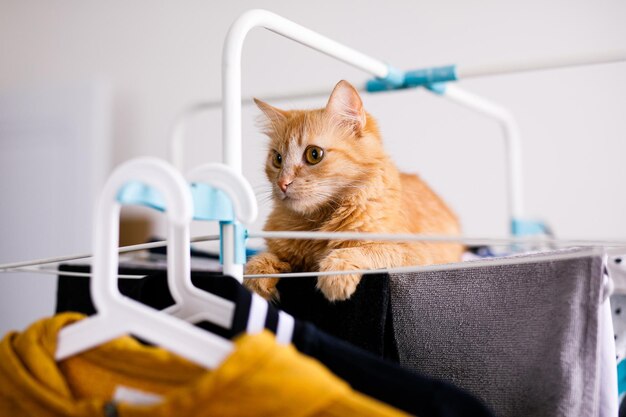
point(231, 68)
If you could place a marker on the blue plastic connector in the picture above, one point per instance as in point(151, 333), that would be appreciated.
point(428, 77)
point(621, 377)
point(376, 86)
point(251, 252)
point(137, 193)
point(209, 203)
point(394, 77)
point(241, 235)
point(394, 80)
point(437, 88)
point(520, 227)
point(422, 77)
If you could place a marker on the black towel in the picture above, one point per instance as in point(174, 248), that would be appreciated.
point(365, 320)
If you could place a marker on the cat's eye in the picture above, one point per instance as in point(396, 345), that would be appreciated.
point(277, 160)
point(313, 154)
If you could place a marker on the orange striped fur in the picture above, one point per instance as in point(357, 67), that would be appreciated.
point(354, 187)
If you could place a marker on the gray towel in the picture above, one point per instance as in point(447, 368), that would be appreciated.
point(523, 337)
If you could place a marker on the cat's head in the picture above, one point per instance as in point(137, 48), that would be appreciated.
point(316, 157)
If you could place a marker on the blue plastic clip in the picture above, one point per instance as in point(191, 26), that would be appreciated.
point(422, 77)
point(621, 377)
point(428, 77)
point(437, 88)
point(137, 193)
point(521, 227)
point(211, 204)
point(241, 235)
point(393, 81)
point(208, 203)
point(394, 77)
point(376, 85)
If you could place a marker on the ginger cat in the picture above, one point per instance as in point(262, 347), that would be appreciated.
point(329, 172)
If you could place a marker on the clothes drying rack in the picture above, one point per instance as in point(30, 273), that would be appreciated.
point(215, 206)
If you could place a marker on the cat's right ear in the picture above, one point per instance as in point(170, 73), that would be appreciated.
point(345, 106)
point(274, 115)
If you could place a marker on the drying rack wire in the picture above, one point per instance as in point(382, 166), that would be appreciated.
point(51, 271)
point(594, 247)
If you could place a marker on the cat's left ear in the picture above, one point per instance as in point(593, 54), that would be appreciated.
point(274, 114)
point(345, 106)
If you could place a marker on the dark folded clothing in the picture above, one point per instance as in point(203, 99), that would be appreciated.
point(365, 320)
point(153, 290)
point(364, 371)
point(386, 380)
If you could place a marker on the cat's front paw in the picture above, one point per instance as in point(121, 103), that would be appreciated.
point(265, 287)
point(265, 263)
point(338, 287)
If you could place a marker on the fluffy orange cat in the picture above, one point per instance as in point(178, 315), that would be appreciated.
point(329, 172)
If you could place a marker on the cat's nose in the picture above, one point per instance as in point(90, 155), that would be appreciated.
point(283, 184)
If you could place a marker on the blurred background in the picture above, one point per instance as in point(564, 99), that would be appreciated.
point(86, 85)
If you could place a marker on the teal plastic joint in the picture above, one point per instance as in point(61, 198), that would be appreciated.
point(437, 88)
point(393, 81)
point(211, 204)
point(520, 227)
point(241, 235)
point(139, 194)
point(376, 86)
point(394, 77)
point(621, 377)
point(422, 77)
point(416, 78)
point(208, 203)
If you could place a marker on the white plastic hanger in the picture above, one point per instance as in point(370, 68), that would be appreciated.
point(118, 315)
point(192, 303)
point(232, 183)
point(241, 195)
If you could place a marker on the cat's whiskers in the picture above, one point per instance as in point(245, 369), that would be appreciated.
point(354, 184)
point(264, 193)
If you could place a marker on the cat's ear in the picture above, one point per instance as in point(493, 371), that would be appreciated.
point(345, 106)
point(274, 114)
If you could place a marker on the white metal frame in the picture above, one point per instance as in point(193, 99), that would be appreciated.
point(512, 142)
point(231, 86)
point(233, 102)
point(231, 68)
point(497, 68)
point(232, 96)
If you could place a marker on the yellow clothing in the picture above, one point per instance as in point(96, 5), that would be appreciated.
point(260, 378)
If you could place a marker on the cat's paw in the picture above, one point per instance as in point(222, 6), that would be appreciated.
point(265, 263)
point(265, 287)
point(338, 287)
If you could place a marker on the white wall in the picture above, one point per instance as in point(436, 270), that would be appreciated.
point(54, 147)
point(161, 56)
